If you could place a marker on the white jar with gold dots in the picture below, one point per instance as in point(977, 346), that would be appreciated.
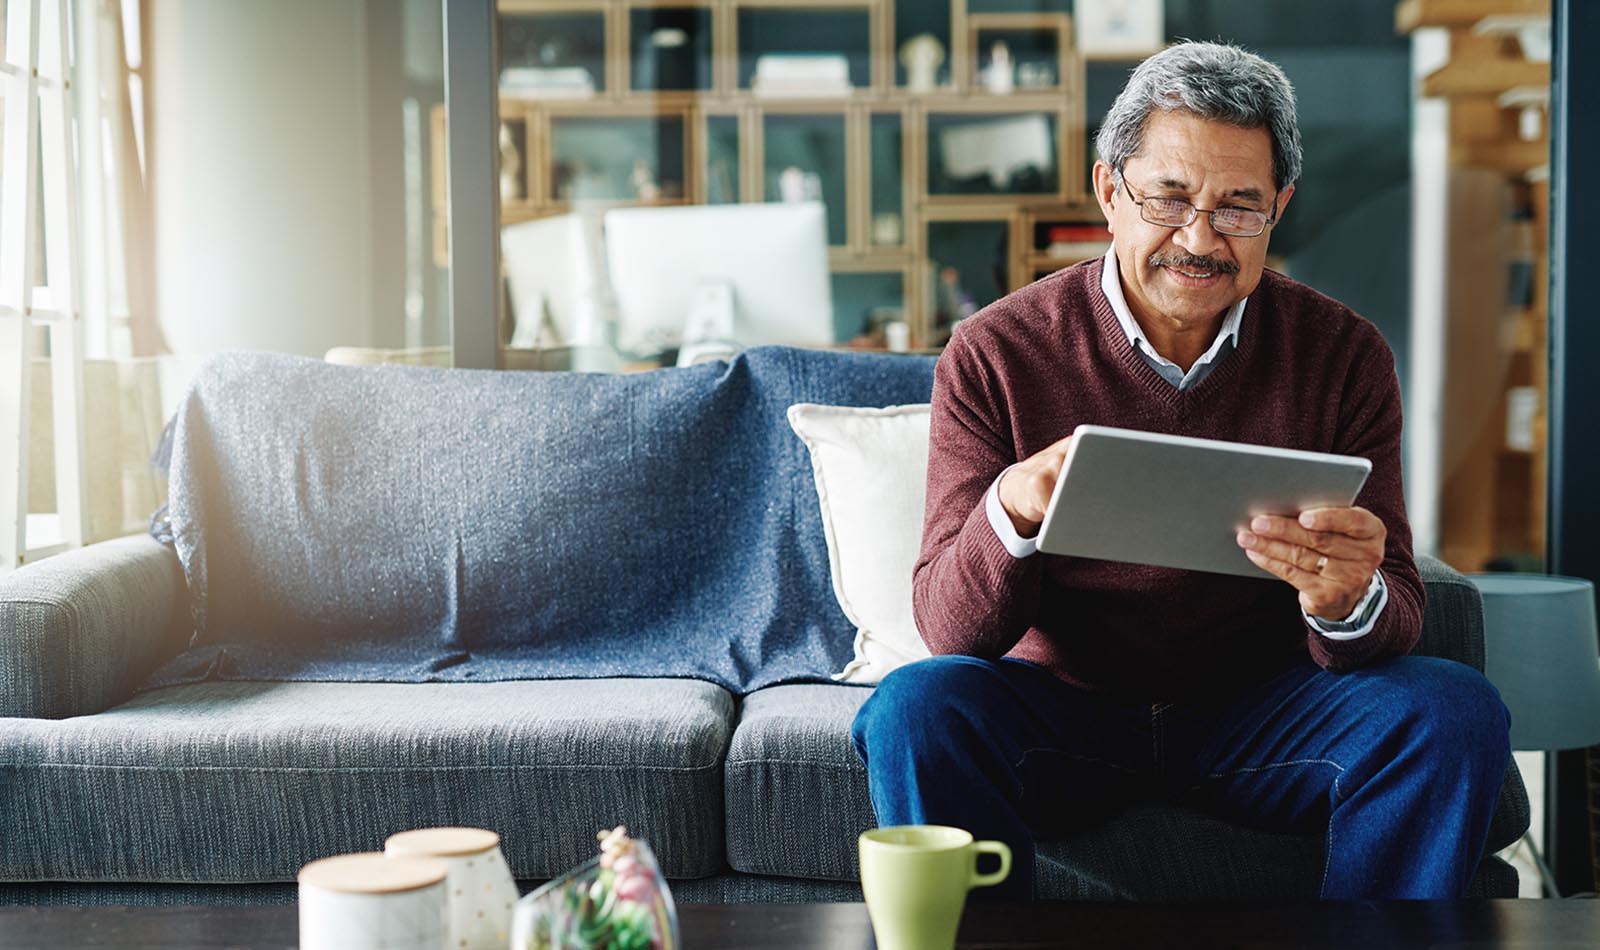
point(479, 889)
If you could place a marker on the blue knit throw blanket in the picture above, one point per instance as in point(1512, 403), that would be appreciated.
point(411, 524)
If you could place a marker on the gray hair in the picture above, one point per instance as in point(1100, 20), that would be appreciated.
point(1212, 81)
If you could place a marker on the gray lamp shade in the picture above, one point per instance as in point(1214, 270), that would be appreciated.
point(1540, 652)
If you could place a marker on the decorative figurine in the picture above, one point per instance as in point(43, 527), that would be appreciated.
point(1035, 76)
point(644, 181)
point(998, 78)
point(792, 185)
point(922, 55)
point(795, 185)
point(886, 228)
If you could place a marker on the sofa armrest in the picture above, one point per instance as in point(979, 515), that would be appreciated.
point(1452, 623)
point(78, 631)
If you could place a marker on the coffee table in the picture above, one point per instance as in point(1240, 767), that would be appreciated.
point(1364, 925)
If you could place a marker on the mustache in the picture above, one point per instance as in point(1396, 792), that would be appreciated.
point(1193, 262)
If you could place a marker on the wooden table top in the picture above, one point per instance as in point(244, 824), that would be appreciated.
point(1360, 925)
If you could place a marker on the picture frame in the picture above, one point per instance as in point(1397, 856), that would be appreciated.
point(1123, 29)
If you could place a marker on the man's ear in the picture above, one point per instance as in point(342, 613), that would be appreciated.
point(1105, 190)
point(1283, 202)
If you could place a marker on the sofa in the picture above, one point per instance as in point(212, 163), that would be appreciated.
point(392, 597)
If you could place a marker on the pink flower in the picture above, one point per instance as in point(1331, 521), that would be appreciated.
point(636, 888)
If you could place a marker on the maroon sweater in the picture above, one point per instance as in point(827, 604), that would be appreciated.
point(1307, 374)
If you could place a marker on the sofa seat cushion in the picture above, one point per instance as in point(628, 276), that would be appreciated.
point(797, 800)
point(248, 781)
point(797, 794)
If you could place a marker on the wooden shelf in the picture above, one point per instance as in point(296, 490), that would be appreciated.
point(1513, 158)
point(1484, 77)
point(818, 5)
point(1412, 14)
point(1526, 331)
point(851, 262)
point(636, 101)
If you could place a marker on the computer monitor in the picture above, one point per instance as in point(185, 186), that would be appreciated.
point(554, 267)
point(721, 276)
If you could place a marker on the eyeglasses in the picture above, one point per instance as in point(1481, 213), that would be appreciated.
point(1180, 212)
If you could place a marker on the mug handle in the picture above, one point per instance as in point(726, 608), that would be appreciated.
point(999, 850)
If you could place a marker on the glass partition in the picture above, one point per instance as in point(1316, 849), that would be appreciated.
point(951, 145)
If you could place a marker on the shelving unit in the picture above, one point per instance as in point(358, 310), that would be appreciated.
point(878, 129)
point(1492, 503)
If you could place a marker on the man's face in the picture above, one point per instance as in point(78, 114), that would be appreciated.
point(1183, 278)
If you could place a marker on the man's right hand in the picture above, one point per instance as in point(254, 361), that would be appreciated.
point(1026, 487)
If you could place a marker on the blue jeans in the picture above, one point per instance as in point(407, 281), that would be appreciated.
point(1400, 764)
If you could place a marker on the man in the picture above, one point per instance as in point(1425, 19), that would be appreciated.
point(1060, 688)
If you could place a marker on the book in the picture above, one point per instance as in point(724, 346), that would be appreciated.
point(528, 82)
point(802, 75)
point(1074, 233)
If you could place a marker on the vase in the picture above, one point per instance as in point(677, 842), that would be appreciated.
point(613, 901)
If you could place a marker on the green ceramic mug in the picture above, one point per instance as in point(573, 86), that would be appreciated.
point(915, 879)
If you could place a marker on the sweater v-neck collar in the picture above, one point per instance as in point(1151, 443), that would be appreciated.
point(1115, 339)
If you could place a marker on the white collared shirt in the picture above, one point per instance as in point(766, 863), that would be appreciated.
point(1360, 621)
point(1227, 336)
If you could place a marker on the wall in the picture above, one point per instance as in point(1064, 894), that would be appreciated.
point(259, 144)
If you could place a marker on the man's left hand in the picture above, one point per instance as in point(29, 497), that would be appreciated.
point(1328, 554)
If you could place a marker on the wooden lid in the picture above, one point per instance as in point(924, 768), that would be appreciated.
point(442, 842)
point(372, 873)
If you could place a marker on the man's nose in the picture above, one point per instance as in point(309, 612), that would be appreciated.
point(1198, 237)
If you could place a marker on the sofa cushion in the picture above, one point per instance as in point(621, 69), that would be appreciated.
point(246, 782)
point(792, 755)
point(872, 470)
point(797, 794)
point(416, 524)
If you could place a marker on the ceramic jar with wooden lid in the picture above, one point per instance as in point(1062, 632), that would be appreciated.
point(369, 901)
point(480, 891)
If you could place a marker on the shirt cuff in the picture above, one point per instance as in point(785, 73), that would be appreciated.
point(1015, 545)
point(1361, 620)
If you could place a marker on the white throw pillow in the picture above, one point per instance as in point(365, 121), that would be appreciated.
point(871, 467)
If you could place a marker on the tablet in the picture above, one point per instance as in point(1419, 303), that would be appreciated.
point(1174, 501)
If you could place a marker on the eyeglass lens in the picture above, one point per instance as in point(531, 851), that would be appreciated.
point(1176, 213)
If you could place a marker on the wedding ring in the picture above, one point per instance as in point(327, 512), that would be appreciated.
point(1322, 562)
